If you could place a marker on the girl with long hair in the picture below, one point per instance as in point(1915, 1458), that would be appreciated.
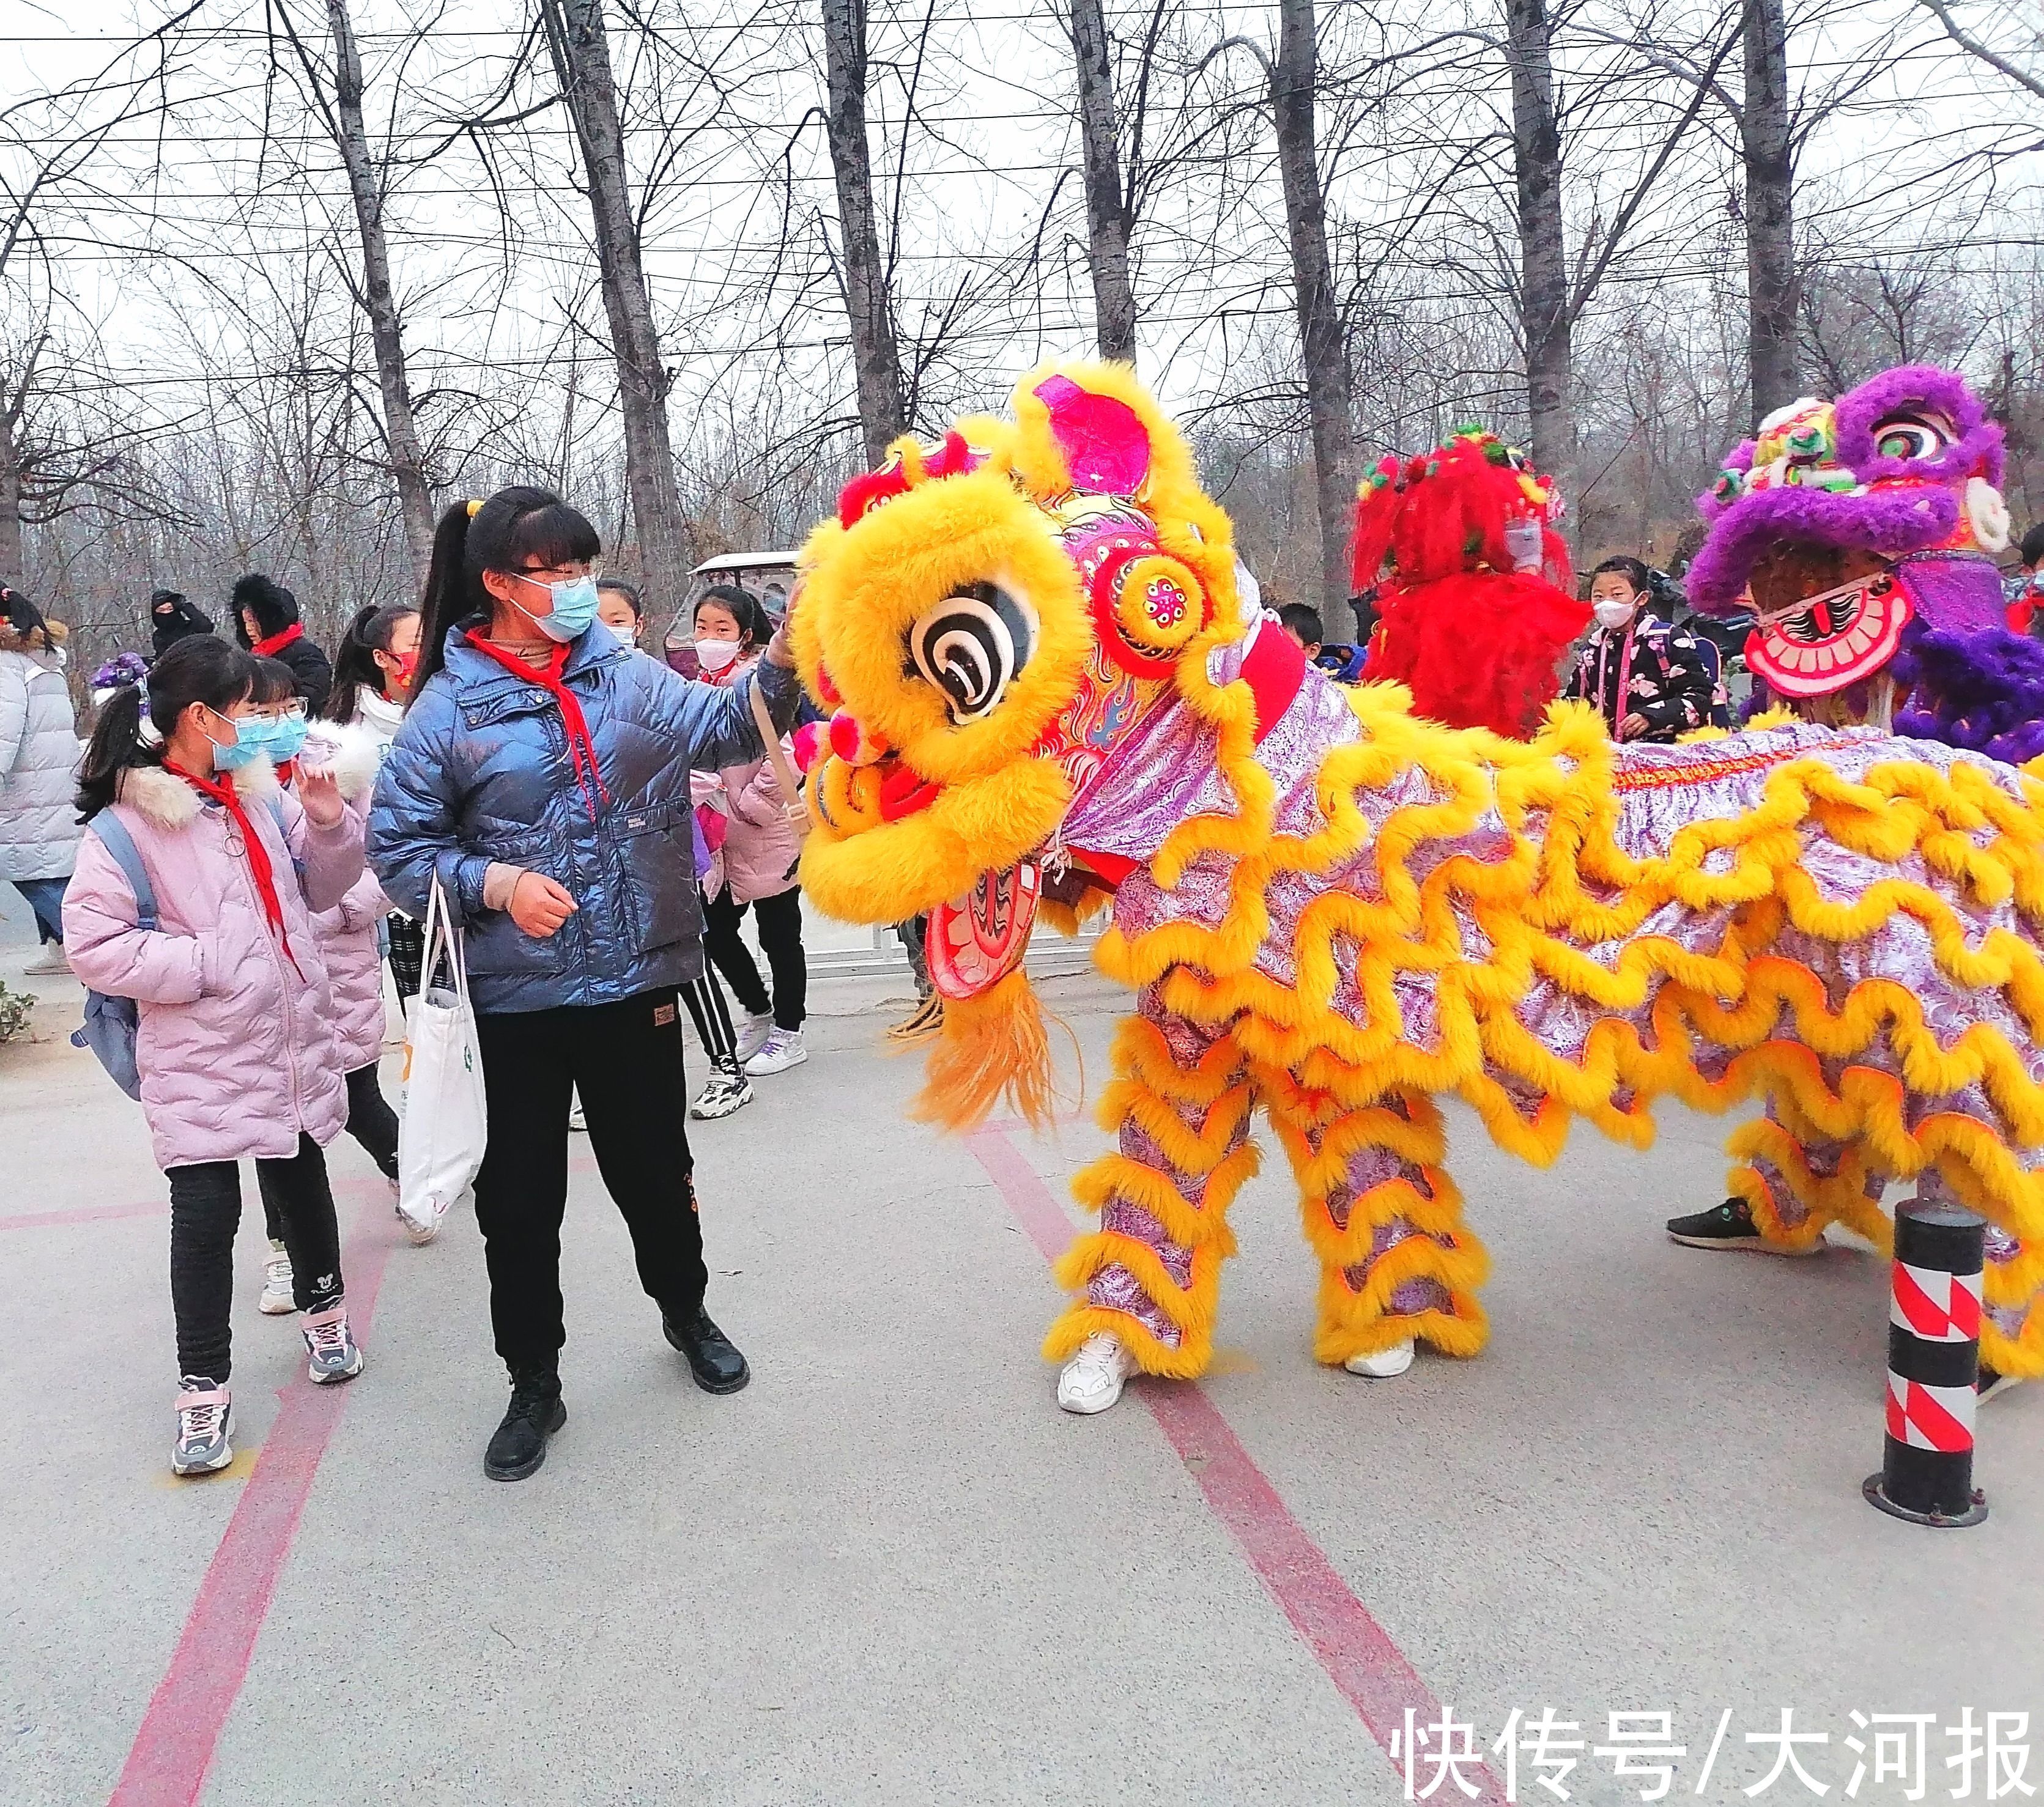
point(541, 781)
point(759, 857)
point(372, 677)
point(235, 1047)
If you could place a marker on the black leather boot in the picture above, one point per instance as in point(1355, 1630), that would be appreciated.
point(715, 1364)
point(535, 1412)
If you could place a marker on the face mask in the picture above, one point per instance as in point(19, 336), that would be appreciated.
point(1614, 613)
point(575, 607)
point(287, 734)
point(716, 655)
point(250, 742)
point(1523, 544)
point(400, 679)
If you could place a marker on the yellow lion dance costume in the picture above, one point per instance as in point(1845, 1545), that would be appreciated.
point(1052, 696)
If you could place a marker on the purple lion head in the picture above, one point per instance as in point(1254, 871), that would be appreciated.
point(1904, 468)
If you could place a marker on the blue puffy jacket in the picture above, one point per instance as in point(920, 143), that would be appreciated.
point(480, 772)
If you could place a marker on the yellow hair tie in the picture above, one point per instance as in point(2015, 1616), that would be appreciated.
point(472, 507)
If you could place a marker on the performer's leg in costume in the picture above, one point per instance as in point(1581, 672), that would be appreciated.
point(1794, 1180)
point(1397, 1261)
point(1150, 1274)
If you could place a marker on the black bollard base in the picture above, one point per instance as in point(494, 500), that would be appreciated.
point(1974, 1514)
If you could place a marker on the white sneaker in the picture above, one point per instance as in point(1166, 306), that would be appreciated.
point(781, 1050)
point(725, 1092)
point(1386, 1365)
point(1092, 1379)
point(752, 1034)
point(277, 1299)
point(51, 961)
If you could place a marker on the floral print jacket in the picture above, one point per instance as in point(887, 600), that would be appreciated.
point(1667, 678)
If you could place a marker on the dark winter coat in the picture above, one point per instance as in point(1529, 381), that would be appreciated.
point(173, 618)
point(1667, 676)
point(480, 772)
point(276, 612)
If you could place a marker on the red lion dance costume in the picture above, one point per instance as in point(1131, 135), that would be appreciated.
point(1473, 583)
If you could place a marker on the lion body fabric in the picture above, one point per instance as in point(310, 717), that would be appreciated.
point(1374, 911)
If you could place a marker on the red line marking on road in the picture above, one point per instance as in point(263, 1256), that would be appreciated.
point(168, 1763)
point(84, 1214)
point(1357, 1654)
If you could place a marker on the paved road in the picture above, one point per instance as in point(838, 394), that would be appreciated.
point(891, 1572)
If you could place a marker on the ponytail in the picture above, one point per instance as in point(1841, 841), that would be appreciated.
point(200, 668)
point(355, 667)
point(515, 527)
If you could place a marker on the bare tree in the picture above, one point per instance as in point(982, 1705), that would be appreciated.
point(876, 359)
point(1767, 150)
point(1109, 215)
point(1289, 80)
point(1546, 316)
point(582, 60)
point(338, 100)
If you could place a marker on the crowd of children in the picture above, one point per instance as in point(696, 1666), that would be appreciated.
point(499, 743)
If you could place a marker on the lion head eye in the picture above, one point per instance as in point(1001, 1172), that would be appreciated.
point(971, 645)
point(1911, 435)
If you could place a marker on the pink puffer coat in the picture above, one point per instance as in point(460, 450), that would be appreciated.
point(759, 849)
point(236, 1046)
point(348, 932)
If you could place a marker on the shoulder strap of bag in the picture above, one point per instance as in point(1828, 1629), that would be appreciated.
point(120, 844)
point(791, 786)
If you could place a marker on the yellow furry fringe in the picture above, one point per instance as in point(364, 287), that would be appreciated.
point(1560, 885)
point(993, 1045)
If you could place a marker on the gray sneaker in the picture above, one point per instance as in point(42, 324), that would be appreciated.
point(331, 1345)
point(205, 1422)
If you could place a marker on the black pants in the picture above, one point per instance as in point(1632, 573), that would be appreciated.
point(371, 1121)
point(625, 1061)
point(205, 1211)
point(780, 920)
point(712, 1016)
point(408, 954)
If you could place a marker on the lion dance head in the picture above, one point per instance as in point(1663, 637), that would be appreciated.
point(990, 620)
point(1861, 532)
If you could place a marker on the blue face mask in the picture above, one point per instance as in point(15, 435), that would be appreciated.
point(287, 735)
point(574, 609)
point(250, 742)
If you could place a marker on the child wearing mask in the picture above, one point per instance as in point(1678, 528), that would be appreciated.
point(372, 677)
point(759, 856)
point(235, 1047)
point(1650, 679)
point(619, 608)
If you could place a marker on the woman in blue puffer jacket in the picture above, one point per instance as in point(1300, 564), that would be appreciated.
point(541, 777)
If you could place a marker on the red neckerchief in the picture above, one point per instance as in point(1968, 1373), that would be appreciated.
point(580, 747)
point(257, 854)
point(276, 643)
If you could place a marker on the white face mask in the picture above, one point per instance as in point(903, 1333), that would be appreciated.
point(716, 655)
point(1612, 613)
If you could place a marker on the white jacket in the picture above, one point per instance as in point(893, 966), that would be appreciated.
point(39, 755)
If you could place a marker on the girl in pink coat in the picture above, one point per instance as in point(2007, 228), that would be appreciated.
point(236, 1048)
point(758, 858)
point(348, 945)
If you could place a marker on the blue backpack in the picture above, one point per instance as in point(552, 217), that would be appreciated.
point(111, 1024)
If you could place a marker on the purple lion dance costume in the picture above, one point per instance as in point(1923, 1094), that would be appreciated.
point(1862, 534)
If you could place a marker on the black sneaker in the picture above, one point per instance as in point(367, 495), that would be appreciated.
point(535, 1412)
point(1730, 1225)
point(714, 1361)
point(1990, 1383)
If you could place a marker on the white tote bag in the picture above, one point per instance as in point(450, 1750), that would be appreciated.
point(441, 1136)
